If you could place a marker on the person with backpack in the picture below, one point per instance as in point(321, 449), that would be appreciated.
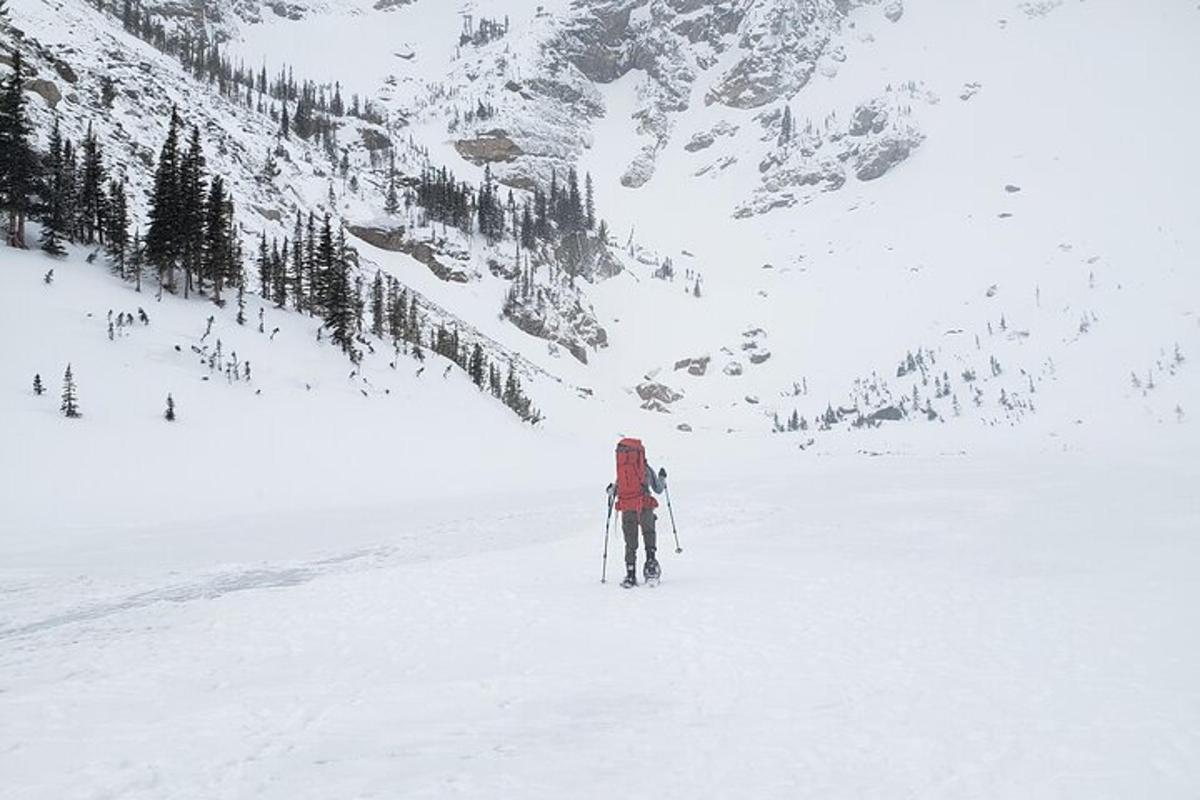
point(632, 491)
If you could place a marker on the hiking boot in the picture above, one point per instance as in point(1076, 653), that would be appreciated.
point(630, 578)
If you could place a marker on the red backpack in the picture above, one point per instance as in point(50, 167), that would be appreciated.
point(631, 476)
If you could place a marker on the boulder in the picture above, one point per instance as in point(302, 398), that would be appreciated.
point(493, 147)
point(733, 369)
point(654, 392)
point(879, 157)
point(700, 141)
point(697, 366)
point(760, 358)
point(886, 414)
point(47, 90)
point(894, 10)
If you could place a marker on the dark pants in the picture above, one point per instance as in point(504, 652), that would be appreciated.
point(629, 524)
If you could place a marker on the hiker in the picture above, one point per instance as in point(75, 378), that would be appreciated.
point(635, 481)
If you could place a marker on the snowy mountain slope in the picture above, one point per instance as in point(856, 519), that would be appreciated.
point(1004, 144)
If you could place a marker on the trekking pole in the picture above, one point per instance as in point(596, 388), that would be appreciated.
point(607, 522)
point(671, 511)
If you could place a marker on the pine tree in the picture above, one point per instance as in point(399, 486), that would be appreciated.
point(169, 414)
point(264, 267)
point(589, 203)
point(786, 126)
point(18, 163)
point(217, 248)
point(377, 305)
point(339, 303)
point(192, 212)
point(270, 170)
point(70, 403)
point(91, 201)
point(54, 224)
point(38, 388)
point(391, 203)
point(117, 235)
point(475, 365)
point(163, 235)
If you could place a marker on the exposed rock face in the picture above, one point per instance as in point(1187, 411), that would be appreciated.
point(782, 42)
point(706, 139)
point(394, 240)
point(879, 136)
point(557, 314)
point(876, 158)
point(489, 148)
point(47, 90)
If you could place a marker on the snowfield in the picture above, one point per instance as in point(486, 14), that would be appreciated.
point(956, 626)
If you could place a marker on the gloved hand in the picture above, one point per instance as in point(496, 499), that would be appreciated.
point(611, 490)
point(662, 473)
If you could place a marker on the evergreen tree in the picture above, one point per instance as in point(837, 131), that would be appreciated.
point(38, 388)
point(117, 235)
point(169, 414)
point(70, 402)
point(54, 225)
point(377, 305)
point(217, 248)
point(339, 303)
point(475, 366)
point(136, 252)
point(391, 203)
point(18, 163)
point(192, 214)
point(90, 205)
point(786, 126)
point(589, 203)
point(270, 170)
point(298, 264)
point(163, 235)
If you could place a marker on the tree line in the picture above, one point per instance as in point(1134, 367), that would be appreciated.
point(193, 245)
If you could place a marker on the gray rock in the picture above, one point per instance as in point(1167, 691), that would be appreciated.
point(869, 117)
point(760, 358)
point(652, 391)
point(47, 90)
point(886, 414)
point(877, 158)
point(700, 141)
point(394, 240)
point(894, 10)
point(733, 369)
point(489, 148)
point(697, 366)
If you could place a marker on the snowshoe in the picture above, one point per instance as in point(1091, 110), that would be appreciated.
point(630, 579)
point(652, 572)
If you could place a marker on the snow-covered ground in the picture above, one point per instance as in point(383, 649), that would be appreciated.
point(956, 626)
